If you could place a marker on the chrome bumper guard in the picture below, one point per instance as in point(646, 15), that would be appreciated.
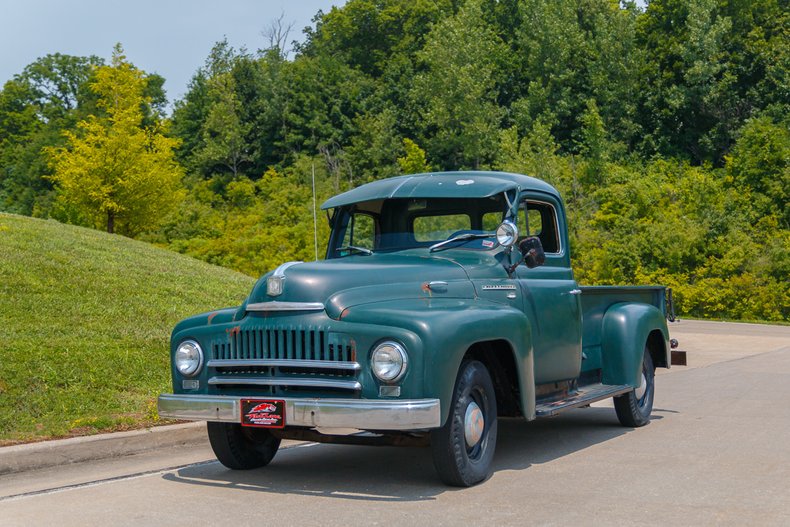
point(364, 414)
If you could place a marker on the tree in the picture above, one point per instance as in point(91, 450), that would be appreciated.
point(47, 97)
point(414, 161)
point(224, 134)
point(760, 162)
point(457, 92)
point(112, 170)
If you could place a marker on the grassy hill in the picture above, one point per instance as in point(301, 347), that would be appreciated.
point(85, 319)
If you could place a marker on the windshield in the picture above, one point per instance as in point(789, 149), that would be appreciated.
point(398, 224)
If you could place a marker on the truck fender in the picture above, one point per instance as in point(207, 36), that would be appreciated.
point(486, 324)
point(625, 330)
point(447, 329)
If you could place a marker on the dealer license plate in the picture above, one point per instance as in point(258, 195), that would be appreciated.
point(263, 413)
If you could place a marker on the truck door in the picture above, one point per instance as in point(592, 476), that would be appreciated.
point(551, 295)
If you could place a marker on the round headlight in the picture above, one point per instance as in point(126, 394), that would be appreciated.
point(189, 358)
point(506, 233)
point(388, 361)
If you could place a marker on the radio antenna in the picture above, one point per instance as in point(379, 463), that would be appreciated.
point(315, 219)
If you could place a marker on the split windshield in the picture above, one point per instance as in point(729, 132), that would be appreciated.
point(398, 224)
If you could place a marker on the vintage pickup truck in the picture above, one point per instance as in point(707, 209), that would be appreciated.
point(444, 301)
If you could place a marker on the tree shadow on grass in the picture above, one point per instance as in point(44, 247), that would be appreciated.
point(400, 474)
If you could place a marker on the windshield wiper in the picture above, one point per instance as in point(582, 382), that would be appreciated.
point(366, 252)
point(461, 237)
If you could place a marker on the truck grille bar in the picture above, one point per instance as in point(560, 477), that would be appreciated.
point(288, 382)
point(281, 363)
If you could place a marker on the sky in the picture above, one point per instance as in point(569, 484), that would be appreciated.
point(168, 37)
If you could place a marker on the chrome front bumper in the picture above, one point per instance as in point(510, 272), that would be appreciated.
point(364, 414)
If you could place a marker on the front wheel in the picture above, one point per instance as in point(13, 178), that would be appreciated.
point(240, 447)
point(464, 447)
point(634, 408)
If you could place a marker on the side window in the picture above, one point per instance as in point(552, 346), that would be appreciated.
point(361, 232)
point(436, 228)
point(542, 223)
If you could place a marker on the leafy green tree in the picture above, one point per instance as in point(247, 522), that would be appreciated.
point(594, 144)
point(223, 132)
point(374, 150)
point(456, 94)
point(366, 34)
point(413, 161)
point(35, 107)
point(112, 171)
point(760, 164)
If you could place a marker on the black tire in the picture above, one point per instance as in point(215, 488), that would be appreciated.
point(458, 463)
point(240, 447)
point(634, 408)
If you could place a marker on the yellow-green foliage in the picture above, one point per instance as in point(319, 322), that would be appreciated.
point(255, 227)
point(86, 319)
point(673, 224)
point(114, 173)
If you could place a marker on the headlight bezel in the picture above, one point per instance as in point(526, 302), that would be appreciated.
point(400, 349)
point(187, 372)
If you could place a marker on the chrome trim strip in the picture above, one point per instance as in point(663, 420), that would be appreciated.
point(364, 414)
point(285, 381)
point(286, 306)
point(280, 271)
point(285, 363)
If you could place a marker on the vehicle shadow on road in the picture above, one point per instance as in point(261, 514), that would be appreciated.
point(394, 474)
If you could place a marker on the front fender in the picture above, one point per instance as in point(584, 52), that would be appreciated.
point(447, 328)
point(625, 331)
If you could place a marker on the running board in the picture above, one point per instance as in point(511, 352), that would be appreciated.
point(586, 395)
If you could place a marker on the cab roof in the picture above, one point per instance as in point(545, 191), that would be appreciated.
point(471, 184)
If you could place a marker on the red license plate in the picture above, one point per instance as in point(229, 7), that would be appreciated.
point(263, 413)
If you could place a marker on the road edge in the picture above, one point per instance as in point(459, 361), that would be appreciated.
point(32, 456)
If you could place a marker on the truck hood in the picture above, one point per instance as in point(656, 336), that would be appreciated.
point(343, 282)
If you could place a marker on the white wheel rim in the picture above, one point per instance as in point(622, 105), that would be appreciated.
point(474, 424)
point(640, 392)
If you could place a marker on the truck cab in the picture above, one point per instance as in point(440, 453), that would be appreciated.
point(444, 301)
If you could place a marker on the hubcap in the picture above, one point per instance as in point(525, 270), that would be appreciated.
point(640, 392)
point(474, 423)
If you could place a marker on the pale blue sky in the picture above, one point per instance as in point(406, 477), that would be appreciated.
point(168, 37)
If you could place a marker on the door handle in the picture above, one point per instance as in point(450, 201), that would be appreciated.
point(575, 291)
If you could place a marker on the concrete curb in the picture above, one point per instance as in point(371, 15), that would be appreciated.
point(22, 458)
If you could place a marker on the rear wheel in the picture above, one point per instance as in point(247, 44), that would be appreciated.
point(464, 447)
point(240, 447)
point(634, 408)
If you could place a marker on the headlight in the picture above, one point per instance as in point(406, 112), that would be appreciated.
point(389, 361)
point(189, 358)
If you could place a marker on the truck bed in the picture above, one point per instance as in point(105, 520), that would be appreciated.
point(596, 300)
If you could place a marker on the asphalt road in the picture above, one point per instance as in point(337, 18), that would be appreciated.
point(716, 452)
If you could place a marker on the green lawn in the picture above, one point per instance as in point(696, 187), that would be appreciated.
point(85, 319)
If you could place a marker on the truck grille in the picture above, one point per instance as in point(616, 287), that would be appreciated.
point(287, 358)
point(286, 343)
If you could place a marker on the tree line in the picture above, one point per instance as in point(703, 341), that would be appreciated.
point(665, 128)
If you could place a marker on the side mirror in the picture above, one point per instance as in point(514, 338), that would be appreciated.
point(532, 251)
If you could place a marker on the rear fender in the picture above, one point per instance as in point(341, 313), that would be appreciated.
point(626, 329)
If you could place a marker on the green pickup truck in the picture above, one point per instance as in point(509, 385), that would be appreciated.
point(445, 300)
